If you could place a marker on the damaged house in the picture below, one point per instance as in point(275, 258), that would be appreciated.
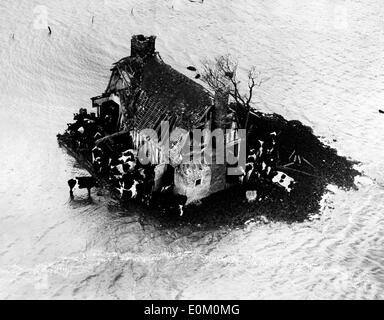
point(143, 92)
point(286, 165)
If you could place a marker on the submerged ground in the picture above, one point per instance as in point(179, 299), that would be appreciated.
point(324, 64)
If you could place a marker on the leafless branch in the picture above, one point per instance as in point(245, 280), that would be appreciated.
point(221, 75)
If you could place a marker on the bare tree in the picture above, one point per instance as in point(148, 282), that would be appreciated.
point(221, 75)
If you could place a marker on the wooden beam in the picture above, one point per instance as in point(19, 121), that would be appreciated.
point(127, 83)
point(111, 136)
point(299, 171)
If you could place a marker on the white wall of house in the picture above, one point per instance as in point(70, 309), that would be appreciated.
point(193, 180)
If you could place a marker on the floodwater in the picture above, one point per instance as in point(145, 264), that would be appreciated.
point(324, 64)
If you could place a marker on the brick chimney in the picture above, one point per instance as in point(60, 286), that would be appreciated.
point(142, 46)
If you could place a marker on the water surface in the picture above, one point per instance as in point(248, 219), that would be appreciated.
point(324, 61)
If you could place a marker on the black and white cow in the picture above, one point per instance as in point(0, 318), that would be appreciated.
point(127, 155)
point(82, 183)
point(127, 158)
point(129, 190)
point(97, 152)
point(97, 159)
point(251, 156)
point(283, 180)
point(146, 174)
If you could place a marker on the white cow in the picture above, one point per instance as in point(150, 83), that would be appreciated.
point(283, 180)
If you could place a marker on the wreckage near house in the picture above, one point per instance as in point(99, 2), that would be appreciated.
point(144, 92)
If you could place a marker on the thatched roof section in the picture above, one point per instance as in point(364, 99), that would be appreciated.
point(165, 93)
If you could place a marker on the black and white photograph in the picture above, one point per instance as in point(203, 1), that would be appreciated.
point(211, 150)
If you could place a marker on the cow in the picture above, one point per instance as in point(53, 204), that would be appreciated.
point(251, 156)
point(113, 162)
point(261, 149)
point(127, 155)
point(128, 193)
point(249, 167)
point(97, 152)
point(120, 168)
point(133, 189)
point(82, 183)
point(97, 156)
point(130, 165)
point(283, 180)
point(145, 174)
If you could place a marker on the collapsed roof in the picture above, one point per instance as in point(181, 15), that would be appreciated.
point(159, 91)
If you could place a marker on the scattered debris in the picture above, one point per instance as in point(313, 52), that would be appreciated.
point(307, 162)
point(264, 219)
point(252, 220)
point(313, 217)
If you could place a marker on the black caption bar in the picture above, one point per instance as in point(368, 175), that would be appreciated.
point(197, 309)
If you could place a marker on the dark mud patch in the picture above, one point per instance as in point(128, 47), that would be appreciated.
point(322, 166)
